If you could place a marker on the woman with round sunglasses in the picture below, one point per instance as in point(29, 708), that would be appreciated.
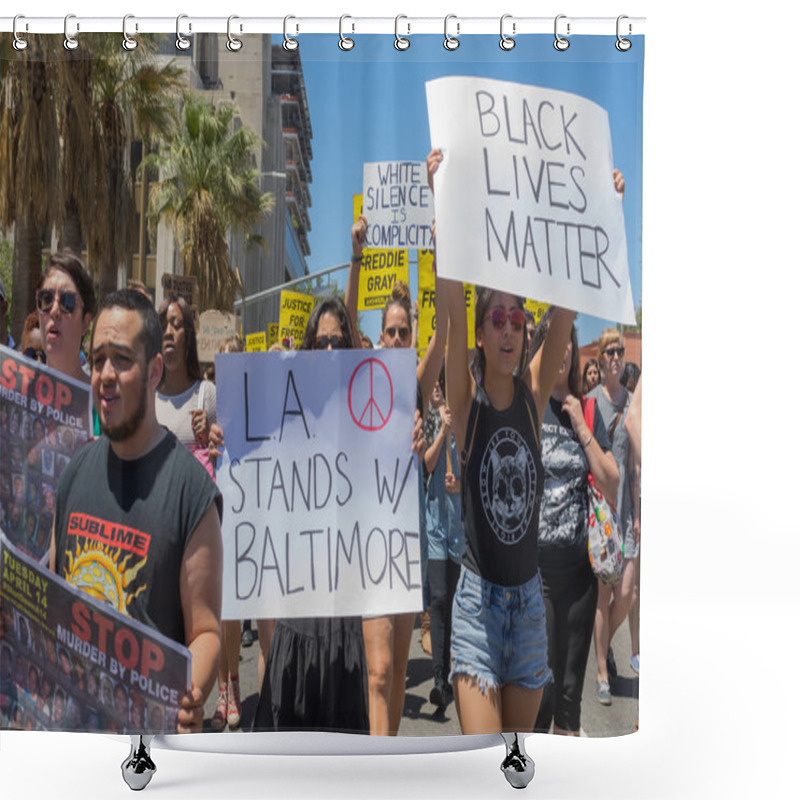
point(65, 300)
point(571, 451)
point(614, 603)
point(316, 672)
point(499, 641)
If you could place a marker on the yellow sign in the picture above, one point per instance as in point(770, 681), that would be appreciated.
point(536, 308)
point(296, 308)
point(380, 271)
point(272, 333)
point(256, 342)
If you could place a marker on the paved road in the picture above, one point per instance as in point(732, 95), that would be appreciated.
point(420, 718)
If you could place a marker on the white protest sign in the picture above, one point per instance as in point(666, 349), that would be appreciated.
point(525, 201)
point(398, 205)
point(321, 496)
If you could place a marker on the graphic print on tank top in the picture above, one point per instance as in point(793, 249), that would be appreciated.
point(507, 481)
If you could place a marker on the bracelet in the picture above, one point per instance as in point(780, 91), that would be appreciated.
point(356, 259)
point(587, 442)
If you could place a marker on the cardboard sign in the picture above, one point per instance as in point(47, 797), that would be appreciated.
point(78, 664)
point(184, 286)
point(214, 329)
point(45, 418)
point(320, 485)
point(525, 200)
point(398, 205)
point(295, 310)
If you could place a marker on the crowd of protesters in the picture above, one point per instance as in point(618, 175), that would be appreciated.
point(510, 602)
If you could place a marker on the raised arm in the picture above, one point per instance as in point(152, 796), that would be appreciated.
point(201, 602)
point(357, 235)
point(428, 369)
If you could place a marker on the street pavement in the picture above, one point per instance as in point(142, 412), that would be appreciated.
point(421, 718)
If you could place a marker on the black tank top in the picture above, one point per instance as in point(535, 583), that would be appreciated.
point(502, 488)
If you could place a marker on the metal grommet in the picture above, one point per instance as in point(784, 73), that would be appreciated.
point(289, 43)
point(233, 44)
point(506, 42)
point(345, 43)
point(128, 42)
point(401, 42)
point(19, 42)
point(561, 43)
point(623, 45)
point(70, 42)
point(181, 42)
point(451, 42)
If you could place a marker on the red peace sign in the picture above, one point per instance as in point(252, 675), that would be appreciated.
point(370, 395)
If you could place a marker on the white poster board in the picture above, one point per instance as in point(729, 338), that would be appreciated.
point(321, 513)
point(398, 205)
point(525, 201)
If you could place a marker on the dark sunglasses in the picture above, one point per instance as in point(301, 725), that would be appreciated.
point(322, 342)
point(498, 315)
point(36, 355)
point(614, 351)
point(402, 332)
point(45, 298)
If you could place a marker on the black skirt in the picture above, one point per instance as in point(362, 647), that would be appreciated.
point(316, 677)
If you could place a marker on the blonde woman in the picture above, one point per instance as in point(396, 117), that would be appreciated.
point(614, 603)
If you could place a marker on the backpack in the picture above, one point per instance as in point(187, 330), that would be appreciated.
point(606, 548)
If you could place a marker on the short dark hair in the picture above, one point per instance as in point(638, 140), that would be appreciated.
point(192, 360)
point(630, 371)
point(328, 305)
point(73, 265)
point(132, 300)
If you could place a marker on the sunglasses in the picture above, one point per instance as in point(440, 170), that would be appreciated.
point(498, 315)
point(322, 342)
point(614, 351)
point(67, 301)
point(402, 332)
point(36, 355)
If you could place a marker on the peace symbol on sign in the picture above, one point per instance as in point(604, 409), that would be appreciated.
point(370, 395)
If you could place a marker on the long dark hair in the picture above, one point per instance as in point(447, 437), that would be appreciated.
point(482, 302)
point(328, 305)
point(574, 379)
point(192, 361)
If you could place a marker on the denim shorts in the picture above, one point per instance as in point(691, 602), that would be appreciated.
point(499, 635)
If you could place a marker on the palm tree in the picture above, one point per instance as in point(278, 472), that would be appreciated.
point(211, 185)
point(29, 153)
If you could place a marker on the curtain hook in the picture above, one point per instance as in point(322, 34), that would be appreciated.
point(561, 43)
point(289, 42)
point(233, 44)
point(70, 42)
point(344, 41)
point(401, 42)
point(507, 42)
point(451, 42)
point(181, 42)
point(128, 42)
point(623, 45)
point(19, 42)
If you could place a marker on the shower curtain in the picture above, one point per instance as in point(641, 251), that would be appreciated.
point(252, 182)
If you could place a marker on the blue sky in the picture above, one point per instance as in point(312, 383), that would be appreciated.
point(369, 104)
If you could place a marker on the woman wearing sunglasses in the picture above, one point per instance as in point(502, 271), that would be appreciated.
point(316, 672)
point(65, 301)
point(612, 400)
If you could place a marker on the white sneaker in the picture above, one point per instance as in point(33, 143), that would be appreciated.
point(635, 663)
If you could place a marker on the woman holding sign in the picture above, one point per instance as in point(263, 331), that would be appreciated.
point(499, 640)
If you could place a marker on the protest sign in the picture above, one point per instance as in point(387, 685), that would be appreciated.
point(295, 310)
point(380, 271)
point(184, 286)
point(525, 200)
point(256, 342)
point(214, 329)
point(272, 334)
point(320, 485)
point(536, 308)
point(398, 205)
point(71, 662)
point(45, 418)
